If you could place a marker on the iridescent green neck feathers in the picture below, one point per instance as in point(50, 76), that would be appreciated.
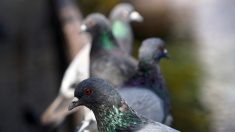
point(110, 119)
point(107, 42)
point(119, 29)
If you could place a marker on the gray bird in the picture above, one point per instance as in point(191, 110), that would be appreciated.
point(107, 60)
point(149, 81)
point(121, 16)
point(111, 111)
point(78, 69)
point(145, 91)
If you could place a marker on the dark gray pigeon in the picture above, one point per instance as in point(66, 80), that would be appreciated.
point(111, 111)
point(107, 60)
point(149, 81)
point(121, 16)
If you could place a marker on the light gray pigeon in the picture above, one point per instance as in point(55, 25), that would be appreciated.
point(121, 16)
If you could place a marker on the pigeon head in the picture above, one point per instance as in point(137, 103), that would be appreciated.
point(125, 12)
point(96, 23)
point(99, 27)
point(110, 110)
point(94, 92)
point(152, 50)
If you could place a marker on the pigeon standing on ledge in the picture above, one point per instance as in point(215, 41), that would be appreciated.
point(148, 77)
point(111, 111)
point(121, 16)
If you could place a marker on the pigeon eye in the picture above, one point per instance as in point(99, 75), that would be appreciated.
point(87, 91)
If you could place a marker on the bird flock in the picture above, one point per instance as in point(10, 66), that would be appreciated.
point(115, 92)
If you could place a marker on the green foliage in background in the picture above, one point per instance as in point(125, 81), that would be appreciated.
point(182, 73)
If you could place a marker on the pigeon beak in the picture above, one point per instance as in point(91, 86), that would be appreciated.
point(75, 102)
point(135, 16)
point(83, 28)
point(166, 55)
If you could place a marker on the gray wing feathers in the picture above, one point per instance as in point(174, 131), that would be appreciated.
point(113, 69)
point(144, 102)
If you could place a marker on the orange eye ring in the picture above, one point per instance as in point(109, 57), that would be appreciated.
point(87, 91)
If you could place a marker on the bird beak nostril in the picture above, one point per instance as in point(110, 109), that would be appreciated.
point(135, 16)
point(75, 100)
point(74, 103)
point(83, 28)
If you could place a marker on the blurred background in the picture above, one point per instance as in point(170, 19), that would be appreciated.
point(35, 51)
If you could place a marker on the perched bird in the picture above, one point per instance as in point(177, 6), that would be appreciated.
point(148, 77)
point(107, 60)
point(121, 16)
point(78, 69)
point(112, 112)
point(146, 88)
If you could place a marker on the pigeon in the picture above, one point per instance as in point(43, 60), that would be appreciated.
point(146, 88)
point(79, 70)
point(121, 16)
point(111, 111)
point(107, 60)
